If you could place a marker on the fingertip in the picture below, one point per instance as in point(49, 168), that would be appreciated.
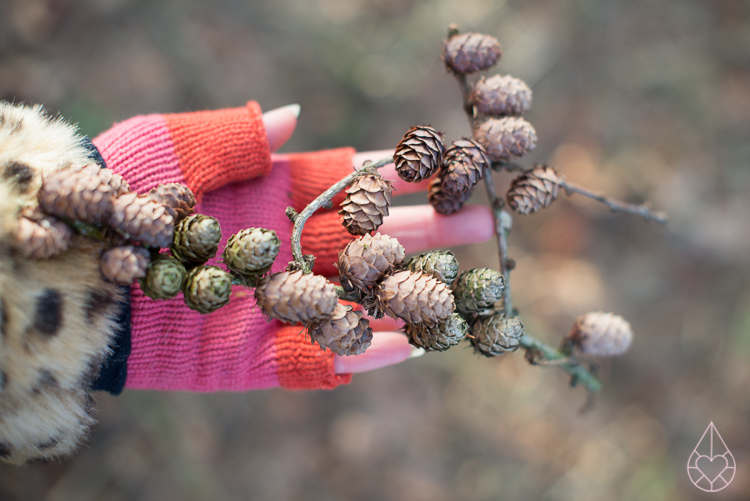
point(477, 221)
point(387, 348)
point(280, 124)
point(419, 227)
point(472, 224)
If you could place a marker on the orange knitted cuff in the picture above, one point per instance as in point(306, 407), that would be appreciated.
point(323, 237)
point(303, 365)
point(214, 148)
point(315, 172)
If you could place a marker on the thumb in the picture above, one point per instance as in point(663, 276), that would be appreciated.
point(280, 124)
point(387, 348)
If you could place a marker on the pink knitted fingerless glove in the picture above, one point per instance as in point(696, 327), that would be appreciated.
point(224, 157)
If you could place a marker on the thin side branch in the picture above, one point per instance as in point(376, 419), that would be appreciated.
point(642, 210)
point(509, 166)
point(539, 353)
point(325, 199)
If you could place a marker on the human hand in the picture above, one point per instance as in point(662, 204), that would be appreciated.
point(225, 157)
point(418, 228)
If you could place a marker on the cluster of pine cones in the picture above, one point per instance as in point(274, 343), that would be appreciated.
point(500, 135)
point(135, 227)
point(418, 291)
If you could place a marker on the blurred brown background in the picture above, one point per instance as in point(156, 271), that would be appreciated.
point(642, 99)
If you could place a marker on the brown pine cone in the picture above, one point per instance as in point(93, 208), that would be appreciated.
point(366, 204)
point(506, 138)
point(206, 289)
point(419, 154)
point(196, 239)
point(414, 298)
point(470, 148)
point(81, 193)
point(601, 334)
point(144, 220)
point(439, 337)
point(497, 334)
point(501, 95)
point(364, 261)
point(345, 333)
point(296, 298)
point(463, 167)
point(471, 52)
point(123, 265)
point(442, 202)
point(42, 237)
point(175, 195)
point(533, 190)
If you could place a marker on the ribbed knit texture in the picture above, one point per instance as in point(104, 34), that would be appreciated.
point(323, 239)
point(302, 364)
point(204, 150)
point(235, 348)
point(219, 147)
point(315, 172)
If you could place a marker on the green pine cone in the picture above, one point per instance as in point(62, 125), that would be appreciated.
point(494, 335)
point(207, 288)
point(441, 265)
point(196, 239)
point(164, 278)
point(478, 289)
point(439, 337)
point(251, 251)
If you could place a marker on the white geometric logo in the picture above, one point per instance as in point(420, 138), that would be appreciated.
point(711, 466)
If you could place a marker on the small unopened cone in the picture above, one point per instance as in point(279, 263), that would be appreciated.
point(42, 237)
point(442, 202)
point(251, 251)
point(296, 298)
point(124, 265)
point(345, 333)
point(533, 190)
point(196, 239)
point(600, 333)
point(506, 138)
point(419, 154)
point(177, 196)
point(367, 202)
point(441, 265)
point(414, 298)
point(81, 193)
point(207, 288)
point(496, 334)
point(144, 220)
point(471, 52)
point(501, 96)
point(438, 337)
point(478, 289)
point(366, 260)
point(164, 278)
